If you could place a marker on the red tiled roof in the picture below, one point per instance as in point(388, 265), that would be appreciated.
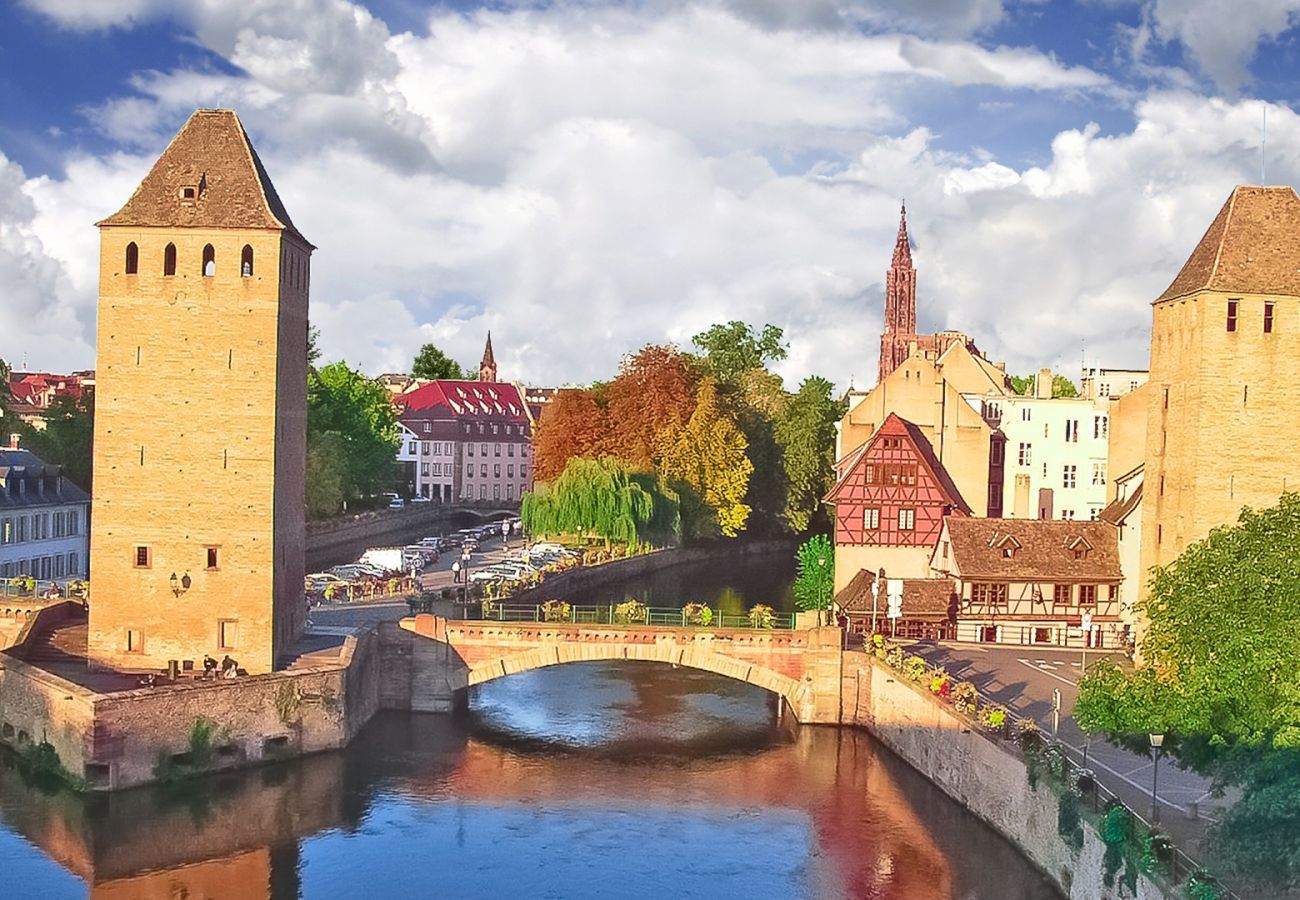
point(468, 400)
point(896, 426)
point(1043, 550)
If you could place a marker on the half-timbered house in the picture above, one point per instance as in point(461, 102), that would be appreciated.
point(891, 499)
point(1030, 581)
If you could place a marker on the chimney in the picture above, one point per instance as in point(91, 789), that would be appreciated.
point(1043, 388)
point(13, 441)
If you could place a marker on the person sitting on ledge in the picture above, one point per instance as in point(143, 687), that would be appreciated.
point(229, 668)
point(209, 666)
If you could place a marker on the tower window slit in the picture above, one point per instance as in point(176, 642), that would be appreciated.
point(209, 261)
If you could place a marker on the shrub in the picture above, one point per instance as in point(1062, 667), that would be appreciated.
point(940, 682)
point(965, 697)
point(761, 616)
point(1069, 824)
point(697, 614)
point(994, 717)
point(555, 611)
point(914, 668)
point(630, 612)
point(1204, 886)
point(1028, 735)
point(895, 657)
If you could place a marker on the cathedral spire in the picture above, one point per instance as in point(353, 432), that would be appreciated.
point(900, 303)
point(487, 369)
point(902, 245)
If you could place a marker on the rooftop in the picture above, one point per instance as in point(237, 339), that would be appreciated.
point(1033, 549)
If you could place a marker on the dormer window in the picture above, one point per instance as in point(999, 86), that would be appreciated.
point(1007, 545)
point(1079, 546)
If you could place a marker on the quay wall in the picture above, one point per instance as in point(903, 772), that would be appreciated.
point(988, 778)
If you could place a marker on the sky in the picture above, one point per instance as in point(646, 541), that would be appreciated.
point(583, 177)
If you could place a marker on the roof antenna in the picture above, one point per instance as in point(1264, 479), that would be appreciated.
point(1263, 139)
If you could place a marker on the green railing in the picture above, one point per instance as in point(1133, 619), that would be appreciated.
point(608, 615)
point(22, 587)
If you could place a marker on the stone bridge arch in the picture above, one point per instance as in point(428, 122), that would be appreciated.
point(802, 667)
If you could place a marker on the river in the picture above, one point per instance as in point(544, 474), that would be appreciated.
point(590, 780)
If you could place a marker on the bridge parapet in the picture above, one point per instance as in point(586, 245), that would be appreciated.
point(801, 666)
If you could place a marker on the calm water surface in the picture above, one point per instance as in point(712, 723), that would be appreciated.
point(592, 780)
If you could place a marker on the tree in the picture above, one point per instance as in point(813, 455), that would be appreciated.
point(707, 455)
point(732, 349)
point(326, 462)
point(573, 425)
point(815, 583)
point(68, 437)
point(603, 498)
point(653, 394)
point(4, 388)
point(806, 433)
point(1219, 676)
point(432, 364)
point(1024, 385)
point(347, 404)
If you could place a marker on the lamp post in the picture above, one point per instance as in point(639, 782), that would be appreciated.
point(875, 597)
point(1083, 670)
point(180, 586)
point(1157, 741)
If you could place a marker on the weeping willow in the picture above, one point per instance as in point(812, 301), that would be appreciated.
point(604, 498)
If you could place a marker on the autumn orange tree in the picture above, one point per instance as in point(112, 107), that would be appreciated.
point(653, 394)
point(575, 424)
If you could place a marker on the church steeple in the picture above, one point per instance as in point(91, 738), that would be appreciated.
point(900, 302)
point(487, 369)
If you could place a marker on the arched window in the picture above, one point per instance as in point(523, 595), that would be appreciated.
point(169, 260)
point(209, 261)
point(246, 262)
point(132, 258)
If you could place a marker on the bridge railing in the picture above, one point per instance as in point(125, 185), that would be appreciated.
point(609, 615)
point(23, 587)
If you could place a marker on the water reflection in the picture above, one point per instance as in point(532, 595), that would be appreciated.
point(730, 585)
point(480, 807)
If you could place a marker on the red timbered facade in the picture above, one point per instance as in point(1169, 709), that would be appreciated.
point(891, 500)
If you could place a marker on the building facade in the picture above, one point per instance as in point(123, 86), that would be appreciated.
point(467, 442)
point(1028, 581)
point(1224, 359)
point(890, 501)
point(200, 425)
point(32, 393)
point(1101, 384)
point(44, 520)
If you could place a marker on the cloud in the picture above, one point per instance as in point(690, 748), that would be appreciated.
point(1222, 36)
point(584, 181)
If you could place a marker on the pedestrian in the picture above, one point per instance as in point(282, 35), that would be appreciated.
point(455, 572)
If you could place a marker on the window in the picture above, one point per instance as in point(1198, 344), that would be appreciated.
point(470, 450)
point(482, 491)
point(494, 428)
point(72, 564)
point(482, 447)
point(1268, 318)
point(510, 492)
point(133, 642)
point(424, 447)
point(1067, 514)
point(945, 549)
point(496, 470)
point(1070, 476)
point(72, 522)
point(169, 259)
point(1232, 314)
point(446, 448)
point(1062, 594)
point(996, 450)
point(21, 535)
point(1087, 595)
point(132, 259)
point(510, 470)
point(424, 469)
point(143, 558)
point(871, 519)
point(428, 427)
point(212, 555)
point(496, 492)
point(227, 634)
point(906, 519)
point(986, 593)
point(7, 531)
point(410, 448)
point(1025, 413)
point(1071, 431)
point(496, 449)
point(1098, 473)
point(437, 448)
point(523, 471)
point(1100, 426)
point(482, 470)
point(209, 261)
point(246, 262)
point(1166, 398)
point(869, 474)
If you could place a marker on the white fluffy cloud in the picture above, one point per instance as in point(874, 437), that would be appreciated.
point(582, 181)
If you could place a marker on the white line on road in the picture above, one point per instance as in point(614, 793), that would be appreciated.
point(1047, 673)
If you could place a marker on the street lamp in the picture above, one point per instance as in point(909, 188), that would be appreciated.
point(180, 586)
point(1083, 670)
point(1157, 741)
point(875, 596)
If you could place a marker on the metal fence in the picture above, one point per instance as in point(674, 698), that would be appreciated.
point(26, 588)
point(611, 615)
point(1178, 867)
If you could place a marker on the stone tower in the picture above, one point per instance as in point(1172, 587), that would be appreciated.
point(200, 424)
point(487, 368)
point(1224, 362)
point(900, 303)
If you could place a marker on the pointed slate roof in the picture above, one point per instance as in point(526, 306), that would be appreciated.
point(212, 155)
point(902, 244)
point(1251, 247)
point(488, 358)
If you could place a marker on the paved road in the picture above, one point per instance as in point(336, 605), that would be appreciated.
point(1023, 678)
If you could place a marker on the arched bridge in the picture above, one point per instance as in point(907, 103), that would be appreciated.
point(448, 656)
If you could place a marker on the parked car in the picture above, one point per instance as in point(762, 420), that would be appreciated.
point(325, 577)
point(419, 499)
point(397, 503)
point(385, 559)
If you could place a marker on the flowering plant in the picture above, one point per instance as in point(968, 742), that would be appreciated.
point(761, 616)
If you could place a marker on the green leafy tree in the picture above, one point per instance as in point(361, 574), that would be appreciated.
point(707, 456)
point(431, 363)
point(757, 402)
point(4, 388)
point(603, 498)
point(1025, 385)
point(735, 348)
point(68, 437)
point(345, 403)
point(814, 585)
point(1220, 677)
point(326, 462)
point(806, 433)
